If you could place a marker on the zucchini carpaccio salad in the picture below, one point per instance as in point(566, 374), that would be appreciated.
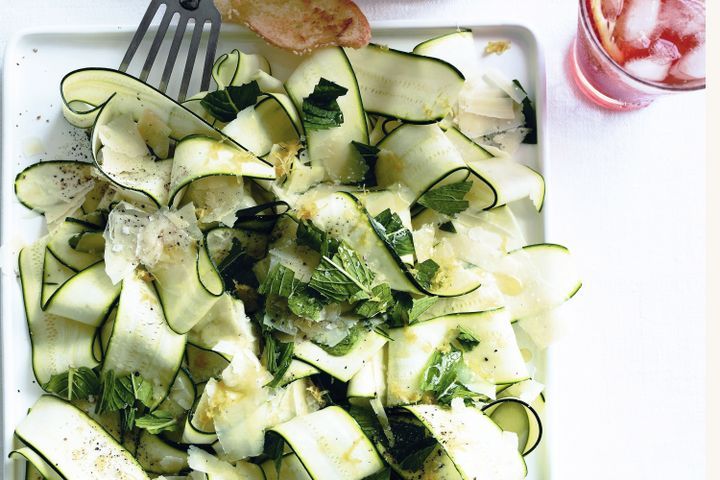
point(320, 277)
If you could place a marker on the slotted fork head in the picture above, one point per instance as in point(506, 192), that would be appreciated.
point(200, 12)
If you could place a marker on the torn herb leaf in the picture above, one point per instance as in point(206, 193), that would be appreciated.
point(157, 422)
point(225, 104)
point(304, 303)
point(273, 449)
point(369, 155)
point(528, 110)
point(75, 384)
point(347, 343)
point(406, 309)
point(425, 272)
point(380, 300)
point(280, 280)
point(308, 235)
point(448, 227)
point(466, 339)
point(277, 356)
point(440, 377)
point(390, 226)
point(343, 278)
point(320, 109)
point(119, 393)
point(447, 199)
point(236, 269)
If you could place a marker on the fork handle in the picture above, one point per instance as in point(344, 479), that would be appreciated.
point(190, 4)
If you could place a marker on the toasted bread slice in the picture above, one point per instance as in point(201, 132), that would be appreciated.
point(300, 25)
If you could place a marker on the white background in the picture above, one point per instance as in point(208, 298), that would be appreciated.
point(627, 195)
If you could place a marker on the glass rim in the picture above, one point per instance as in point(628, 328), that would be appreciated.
point(585, 19)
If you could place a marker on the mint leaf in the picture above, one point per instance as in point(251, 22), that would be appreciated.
point(280, 280)
point(122, 392)
point(116, 394)
point(75, 384)
point(156, 422)
point(303, 303)
point(236, 269)
point(308, 235)
point(529, 113)
point(425, 272)
point(343, 278)
point(347, 343)
point(447, 199)
point(273, 448)
point(406, 309)
point(440, 377)
point(448, 227)
point(320, 109)
point(369, 155)
point(226, 103)
point(390, 226)
point(466, 339)
point(277, 356)
point(380, 300)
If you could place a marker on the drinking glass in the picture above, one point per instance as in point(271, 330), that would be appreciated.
point(627, 52)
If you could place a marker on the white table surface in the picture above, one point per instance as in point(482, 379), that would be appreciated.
point(627, 195)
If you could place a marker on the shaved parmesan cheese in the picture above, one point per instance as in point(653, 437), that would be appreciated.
point(122, 136)
point(134, 237)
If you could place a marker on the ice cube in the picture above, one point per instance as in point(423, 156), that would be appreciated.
point(638, 22)
point(684, 17)
point(611, 9)
point(648, 68)
point(691, 66)
point(664, 51)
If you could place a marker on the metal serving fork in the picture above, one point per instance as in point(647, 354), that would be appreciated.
point(201, 12)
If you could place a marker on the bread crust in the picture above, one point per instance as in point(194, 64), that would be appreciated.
point(300, 26)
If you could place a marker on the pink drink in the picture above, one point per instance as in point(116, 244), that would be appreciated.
point(627, 52)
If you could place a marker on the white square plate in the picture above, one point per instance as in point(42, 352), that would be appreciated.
point(33, 129)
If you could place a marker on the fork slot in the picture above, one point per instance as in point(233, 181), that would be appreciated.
point(191, 56)
point(157, 42)
point(139, 34)
point(173, 53)
point(210, 53)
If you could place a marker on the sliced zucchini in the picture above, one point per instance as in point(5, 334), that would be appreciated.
point(495, 360)
point(89, 452)
point(204, 364)
point(403, 85)
point(216, 469)
point(36, 468)
point(419, 157)
point(57, 343)
point(514, 415)
point(54, 275)
point(370, 381)
point(342, 367)
point(537, 278)
point(508, 181)
point(296, 371)
point(457, 48)
point(200, 156)
point(237, 68)
point(141, 340)
point(55, 188)
point(478, 448)
point(291, 468)
point(159, 457)
point(342, 216)
point(330, 444)
point(183, 296)
point(86, 297)
point(331, 148)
